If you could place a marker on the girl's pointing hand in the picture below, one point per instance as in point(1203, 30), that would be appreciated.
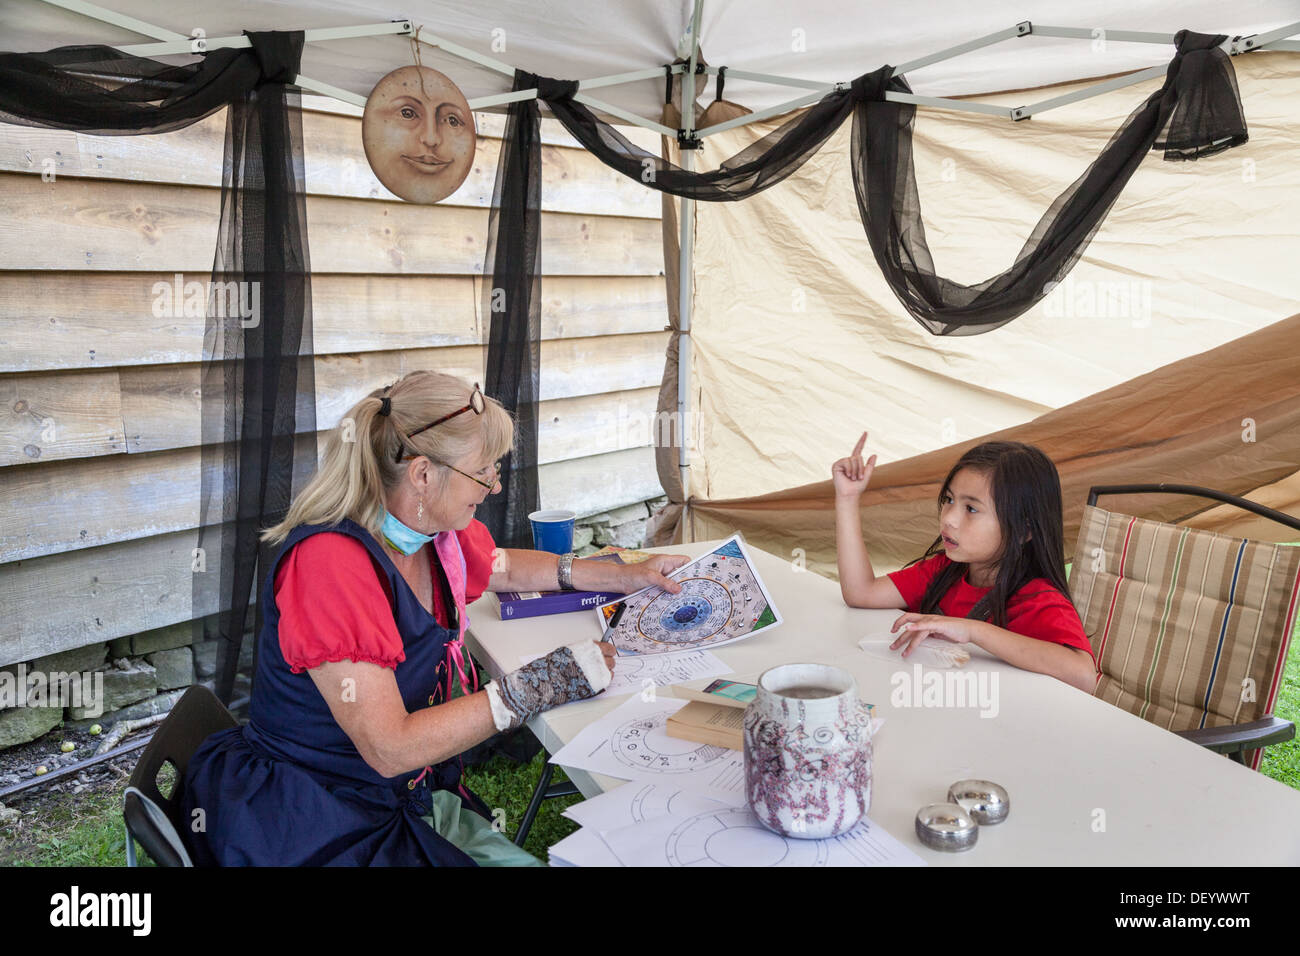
point(851, 475)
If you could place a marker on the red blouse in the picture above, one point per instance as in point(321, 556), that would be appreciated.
point(335, 603)
point(1036, 610)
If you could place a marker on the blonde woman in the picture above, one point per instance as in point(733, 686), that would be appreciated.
point(350, 754)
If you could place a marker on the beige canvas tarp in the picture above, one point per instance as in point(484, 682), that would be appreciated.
point(1228, 419)
point(798, 345)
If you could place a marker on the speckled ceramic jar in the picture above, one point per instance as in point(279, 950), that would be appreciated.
point(808, 751)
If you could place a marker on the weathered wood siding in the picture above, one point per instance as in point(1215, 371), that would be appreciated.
point(99, 396)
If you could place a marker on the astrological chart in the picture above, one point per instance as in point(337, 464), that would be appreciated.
point(643, 744)
point(733, 836)
point(630, 743)
point(722, 599)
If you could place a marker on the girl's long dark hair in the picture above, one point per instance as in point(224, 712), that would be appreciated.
point(1027, 498)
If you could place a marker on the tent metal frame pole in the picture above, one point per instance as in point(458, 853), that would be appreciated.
point(170, 43)
point(200, 44)
point(1273, 40)
point(178, 43)
point(685, 286)
point(174, 43)
point(1119, 82)
point(483, 102)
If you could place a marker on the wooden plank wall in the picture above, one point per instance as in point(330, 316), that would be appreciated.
point(99, 396)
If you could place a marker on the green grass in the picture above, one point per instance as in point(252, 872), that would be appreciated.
point(1282, 761)
point(83, 829)
point(505, 784)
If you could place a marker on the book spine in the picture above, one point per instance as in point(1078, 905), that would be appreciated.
point(557, 602)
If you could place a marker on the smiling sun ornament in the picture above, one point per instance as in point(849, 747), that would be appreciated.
point(418, 133)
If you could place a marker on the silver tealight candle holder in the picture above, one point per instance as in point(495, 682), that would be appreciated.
point(946, 826)
point(985, 801)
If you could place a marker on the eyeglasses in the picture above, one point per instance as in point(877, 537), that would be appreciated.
point(489, 485)
point(476, 405)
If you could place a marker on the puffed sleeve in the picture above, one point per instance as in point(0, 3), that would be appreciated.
point(477, 545)
point(334, 606)
point(913, 580)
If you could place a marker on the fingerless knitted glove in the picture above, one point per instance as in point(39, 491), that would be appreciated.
point(568, 673)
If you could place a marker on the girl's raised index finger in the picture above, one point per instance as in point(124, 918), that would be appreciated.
point(857, 449)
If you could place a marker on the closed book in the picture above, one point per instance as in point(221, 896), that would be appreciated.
point(519, 604)
point(708, 724)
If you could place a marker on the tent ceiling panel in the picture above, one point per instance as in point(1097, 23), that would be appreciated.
point(824, 40)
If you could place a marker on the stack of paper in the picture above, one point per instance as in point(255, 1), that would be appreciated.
point(630, 743)
point(686, 806)
point(661, 825)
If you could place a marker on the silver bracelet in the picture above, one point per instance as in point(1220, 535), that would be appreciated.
point(564, 572)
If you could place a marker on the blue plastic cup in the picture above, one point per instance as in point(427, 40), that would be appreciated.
point(553, 531)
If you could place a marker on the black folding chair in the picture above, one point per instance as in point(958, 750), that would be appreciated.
point(545, 790)
point(150, 817)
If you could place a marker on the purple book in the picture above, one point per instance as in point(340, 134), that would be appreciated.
point(516, 604)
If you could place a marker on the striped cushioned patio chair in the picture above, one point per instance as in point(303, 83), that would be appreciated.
point(1190, 628)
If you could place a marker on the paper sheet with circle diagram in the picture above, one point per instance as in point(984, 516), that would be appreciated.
point(660, 824)
point(722, 600)
point(630, 743)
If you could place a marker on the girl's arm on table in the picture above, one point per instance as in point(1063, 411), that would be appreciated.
point(1070, 664)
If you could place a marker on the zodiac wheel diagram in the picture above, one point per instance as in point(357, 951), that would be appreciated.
point(697, 613)
point(736, 838)
point(642, 743)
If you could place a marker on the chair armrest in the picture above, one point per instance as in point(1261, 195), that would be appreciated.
point(1232, 738)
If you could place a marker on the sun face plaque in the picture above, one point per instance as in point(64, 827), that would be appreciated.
point(418, 134)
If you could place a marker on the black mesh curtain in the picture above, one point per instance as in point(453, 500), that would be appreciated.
point(512, 309)
point(1197, 112)
point(256, 394)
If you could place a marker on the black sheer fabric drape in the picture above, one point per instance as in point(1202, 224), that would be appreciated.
point(512, 308)
point(256, 393)
point(1197, 112)
point(758, 166)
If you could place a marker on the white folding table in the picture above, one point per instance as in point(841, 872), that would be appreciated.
point(1089, 784)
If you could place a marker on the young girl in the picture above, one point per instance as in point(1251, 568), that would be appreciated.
point(995, 576)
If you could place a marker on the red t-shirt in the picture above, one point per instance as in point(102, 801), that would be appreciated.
point(335, 602)
point(1036, 610)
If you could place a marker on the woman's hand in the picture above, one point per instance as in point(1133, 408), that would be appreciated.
point(607, 648)
point(917, 627)
point(576, 672)
point(851, 475)
point(653, 571)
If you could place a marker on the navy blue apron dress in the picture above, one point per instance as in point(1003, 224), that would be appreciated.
point(290, 789)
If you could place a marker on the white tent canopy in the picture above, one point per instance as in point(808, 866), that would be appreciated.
point(825, 41)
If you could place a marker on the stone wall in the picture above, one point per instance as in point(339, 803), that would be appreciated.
point(624, 527)
point(142, 675)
